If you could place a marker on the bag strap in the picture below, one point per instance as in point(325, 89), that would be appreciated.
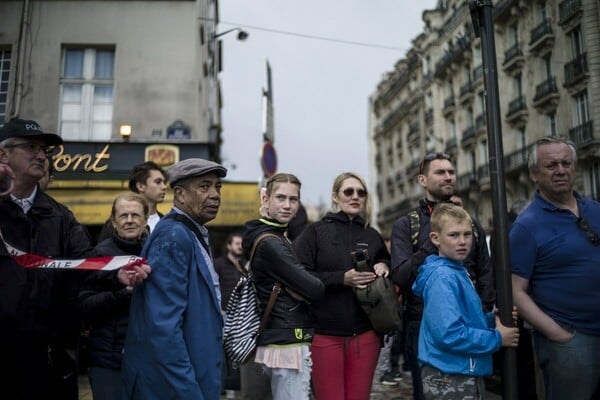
point(276, 287)
point(274, 293)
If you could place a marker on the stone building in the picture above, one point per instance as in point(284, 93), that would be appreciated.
point(122, 82)
point(548, 60)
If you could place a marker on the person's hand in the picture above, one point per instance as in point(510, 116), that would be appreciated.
point(357, 279)
point(515, 314)
point(381, 269)
point(510, 336)
point(133, 275)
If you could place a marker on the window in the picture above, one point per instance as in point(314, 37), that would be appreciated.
point(517, 86)
point(430, 142)
point(451, 129)
point(471, 165)
point(477, 60)
point(86, 104)
point(576, 42)
point(427, 66)
point(580, 109)
point(547, 66)
point(448, 89)
point(551, 119)
point(469, 118)
point(4, 79)
point(466, 72)
point(593, 180)
point(483, 150)
point(521, 138)
point(480, 105)
point(428, 101)
point(542, 13)
point(512, 38)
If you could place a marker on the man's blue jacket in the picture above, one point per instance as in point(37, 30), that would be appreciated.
point(174, 342)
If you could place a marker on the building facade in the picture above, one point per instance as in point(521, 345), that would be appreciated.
point(548, 63)
point(122, 82)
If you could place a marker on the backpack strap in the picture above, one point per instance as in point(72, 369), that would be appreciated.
point(415, 225)
point(276, 287)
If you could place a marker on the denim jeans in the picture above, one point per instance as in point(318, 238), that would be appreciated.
point(571, 369)
point(291, 384)
point(105, 383)
point(412, 351)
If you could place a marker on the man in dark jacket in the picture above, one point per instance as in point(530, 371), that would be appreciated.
point(37, 306)
point(438, 178)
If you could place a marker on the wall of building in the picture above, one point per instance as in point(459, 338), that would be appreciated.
point(433, 100)
point(161, 71)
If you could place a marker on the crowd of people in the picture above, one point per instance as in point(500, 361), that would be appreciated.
point(154, 328)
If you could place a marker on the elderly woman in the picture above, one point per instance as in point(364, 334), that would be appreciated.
point(345, 348)
point(104, 304)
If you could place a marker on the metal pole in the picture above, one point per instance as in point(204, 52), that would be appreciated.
point(482, 15)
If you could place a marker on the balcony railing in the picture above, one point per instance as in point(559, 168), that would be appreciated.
point(576, 69)
point(465, 181)
point(466, 89)
point(568, 9)
point(467, 135)
point(483, 172)
point(517, 159)
point(449, 104)
point(451, 144)
point(543, 29)
point(413, 127)
point(512, 54)
point(515, 106)
point(582, 133)
point(453, 55)
point(502, 9)
point(480, 122)
point(545, 89)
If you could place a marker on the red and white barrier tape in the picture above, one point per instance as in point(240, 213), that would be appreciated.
point(29, 260)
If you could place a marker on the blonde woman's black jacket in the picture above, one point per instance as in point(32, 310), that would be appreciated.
point(290, 320)
point(325, 247)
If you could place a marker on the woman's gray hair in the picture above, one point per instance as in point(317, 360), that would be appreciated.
point(533, 153)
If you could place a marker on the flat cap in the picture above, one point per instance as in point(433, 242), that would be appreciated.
point(22, 128)
point(193, 167)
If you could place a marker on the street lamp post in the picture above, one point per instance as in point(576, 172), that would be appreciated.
point(241, 36)
point(483, 23)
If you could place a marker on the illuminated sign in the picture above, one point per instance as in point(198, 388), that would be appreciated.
point(83, 162)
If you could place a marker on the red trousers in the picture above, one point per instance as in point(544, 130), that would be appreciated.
point(343, 367)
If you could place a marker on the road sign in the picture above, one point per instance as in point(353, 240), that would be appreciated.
point(268, 159)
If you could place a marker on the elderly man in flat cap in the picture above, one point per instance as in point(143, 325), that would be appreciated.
point(38, 310)
point(174, 343)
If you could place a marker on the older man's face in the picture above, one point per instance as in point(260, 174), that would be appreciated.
point(555, 172)
point(26, 158)
point(200, 198)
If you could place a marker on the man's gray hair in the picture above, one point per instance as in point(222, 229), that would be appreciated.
point(6, 142)
point(533, 153)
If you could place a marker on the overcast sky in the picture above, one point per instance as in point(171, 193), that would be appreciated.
point(320, 87)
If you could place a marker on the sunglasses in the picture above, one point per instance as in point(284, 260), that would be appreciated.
point(589, 233)
point(33, 148)
point(349, 192)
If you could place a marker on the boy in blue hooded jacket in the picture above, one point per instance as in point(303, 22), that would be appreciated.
point(457, 338)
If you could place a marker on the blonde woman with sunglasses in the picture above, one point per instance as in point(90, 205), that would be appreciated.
point(345, 348)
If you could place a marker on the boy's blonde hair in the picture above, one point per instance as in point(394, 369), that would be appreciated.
point(445, 213)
